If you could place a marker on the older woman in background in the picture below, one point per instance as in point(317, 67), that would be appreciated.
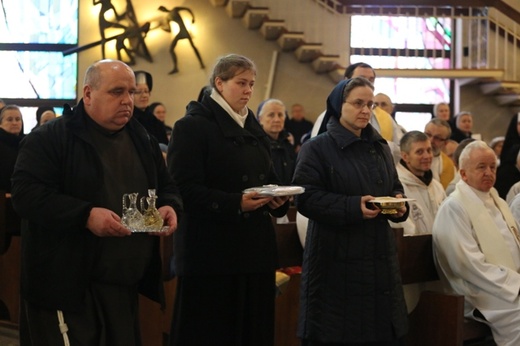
point(43, 115)
point(271, 115)
point(442, 111)
point(11, 124)
point(155, 127)
point(159, 111)
point(461, 126)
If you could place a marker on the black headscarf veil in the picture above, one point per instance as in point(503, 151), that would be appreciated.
point(512, 139)
point(334, 104)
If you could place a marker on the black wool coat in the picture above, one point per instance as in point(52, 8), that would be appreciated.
point(56, 182)
point(284, 157)
point(213, 160)
point(8, 152)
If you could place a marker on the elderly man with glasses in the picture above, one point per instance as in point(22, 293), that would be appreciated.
point(443, 168)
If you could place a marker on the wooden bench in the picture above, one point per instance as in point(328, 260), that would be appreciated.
point(438, 318)
point(287, 305)
point(290, 250)
point(155, 323)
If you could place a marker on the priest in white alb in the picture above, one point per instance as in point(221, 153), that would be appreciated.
point(476, 245)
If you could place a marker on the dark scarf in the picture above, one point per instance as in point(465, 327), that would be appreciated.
point(334, 104)
point(426, 178)
point(10, 139)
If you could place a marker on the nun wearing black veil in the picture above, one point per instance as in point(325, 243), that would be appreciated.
point(351, 292)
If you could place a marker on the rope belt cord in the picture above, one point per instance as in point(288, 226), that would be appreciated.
point(63, 328)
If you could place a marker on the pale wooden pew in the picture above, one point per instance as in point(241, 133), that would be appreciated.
point(155, 323)
point(290, 257)
point(438, 318)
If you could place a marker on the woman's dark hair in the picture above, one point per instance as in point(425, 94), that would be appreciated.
point(227, 67)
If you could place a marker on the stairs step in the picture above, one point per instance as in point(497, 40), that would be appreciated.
point(500, 87)
point(508, 100)
point(506, 93)
point(290, 40)
point(326, 63)
point(254, 17)
point(236, 8)
point(440, 73)
point(308, 52)
point(218, 3)
point(271, 29)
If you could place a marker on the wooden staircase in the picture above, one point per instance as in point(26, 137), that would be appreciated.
point(491, 81)
point(272, 29)
point(507, 94)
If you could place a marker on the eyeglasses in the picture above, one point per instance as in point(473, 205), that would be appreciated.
point(435, 138)
point(139, 92)
point(358, 104)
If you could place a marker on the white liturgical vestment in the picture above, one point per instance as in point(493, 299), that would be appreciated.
point(424, 208)
point(478, 256)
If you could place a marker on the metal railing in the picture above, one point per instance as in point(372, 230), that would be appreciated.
point(483, 38)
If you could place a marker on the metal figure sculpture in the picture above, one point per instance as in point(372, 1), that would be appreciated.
point(174, 16)
point(131, 34)
point(130, 41)
point(104, 23)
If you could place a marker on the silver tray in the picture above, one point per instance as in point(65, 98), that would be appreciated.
point(163, 229)
point(276, 190)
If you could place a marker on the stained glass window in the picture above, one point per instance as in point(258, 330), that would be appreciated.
point(402, 42)
point(39, 21)
point(38, 75)
point(33, 35)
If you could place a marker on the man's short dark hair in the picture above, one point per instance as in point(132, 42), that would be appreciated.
point(349, 71)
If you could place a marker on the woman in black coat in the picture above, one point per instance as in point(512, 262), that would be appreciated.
point(511, 141)
point(224, 250)
point(508, 173)
point(11, 124)
point(351, 291)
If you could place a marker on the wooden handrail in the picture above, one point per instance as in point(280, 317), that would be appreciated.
point(506, 9)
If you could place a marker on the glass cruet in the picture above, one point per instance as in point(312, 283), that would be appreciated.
point(152, 220)
point(132, 217)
